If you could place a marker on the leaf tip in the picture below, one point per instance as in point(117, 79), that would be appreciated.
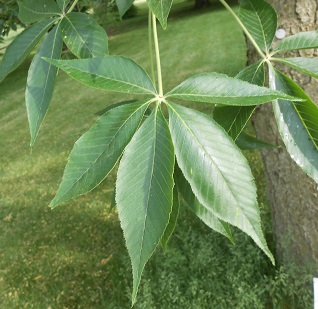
point(133, 299)
point(32, 142)
point(164, 247)
point(232, 240)
point(164, 25)
point(53, 204)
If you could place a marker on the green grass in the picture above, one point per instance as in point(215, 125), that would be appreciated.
point(74, 256)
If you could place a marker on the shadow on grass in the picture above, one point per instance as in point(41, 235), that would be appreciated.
point(181, 10)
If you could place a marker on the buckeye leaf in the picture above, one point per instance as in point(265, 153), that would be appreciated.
point(84, 36)
point(301, 40)
point(234, 118)
point(34, 10)
point(144, 191)
point(217, 171)
point(260, 20)
point(41, 81)
point(113, 73)
point(172, 221)
point(97, 151)
point(203, 213)
point(297, 124)
point(307, 66)
point(63, 4)
point(22, 45)
point(219, 88)
point(123, 6)
point(161, 9)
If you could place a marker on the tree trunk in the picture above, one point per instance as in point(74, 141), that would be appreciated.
point(293, 196)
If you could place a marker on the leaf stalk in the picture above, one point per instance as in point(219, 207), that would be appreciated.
point(155, 36)
point(72, 7)
point(150, 47)
point(244, 29)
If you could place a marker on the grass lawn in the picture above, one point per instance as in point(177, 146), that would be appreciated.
point(74, 256)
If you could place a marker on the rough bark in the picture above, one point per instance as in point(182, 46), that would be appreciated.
point(292, 194)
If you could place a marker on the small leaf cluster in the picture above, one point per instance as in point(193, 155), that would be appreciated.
point(81, 34)
point(164, 150)
point(8, 18)
point(297, 121)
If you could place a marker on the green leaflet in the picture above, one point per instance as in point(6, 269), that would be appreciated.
point(307, 66)
point(297, 124)
point(112, 73)
point(22, 45)
point(34, 10)
point(172, 221)
point(203, 213)
point(123, 6)
point(254, 73)
point(301, 40)
point(234, 118)
point(217, 171)
point(84, 36)
point(307, 109)
point(97, 151)
point(63, 4)
point(161, 9)
point(41, 81)
point(221, 89)
point(248, 142)
point(144, 191)
point(260, 19)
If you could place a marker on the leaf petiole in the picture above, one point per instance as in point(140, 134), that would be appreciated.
point(72, 6)
point(244, 29)
point(150, 47)
point(155, 36)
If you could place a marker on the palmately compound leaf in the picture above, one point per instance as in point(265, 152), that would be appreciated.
point(161, 9)
point(123, 6)
point(63, 4)
point(260, 20)
point(34, 10)
point(297, 124)
point(22, 45)
point(144, 191)
point(301, 40)
point(221, 89)
point(172, 220)
point(97, 151)
point(203, 213)
point(112, 73)
point(307, 66)
point(234, 118)
point(41, 81)
point(84, 36)
point(217, 171)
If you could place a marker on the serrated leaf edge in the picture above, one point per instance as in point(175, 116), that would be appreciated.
point(55, 204)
